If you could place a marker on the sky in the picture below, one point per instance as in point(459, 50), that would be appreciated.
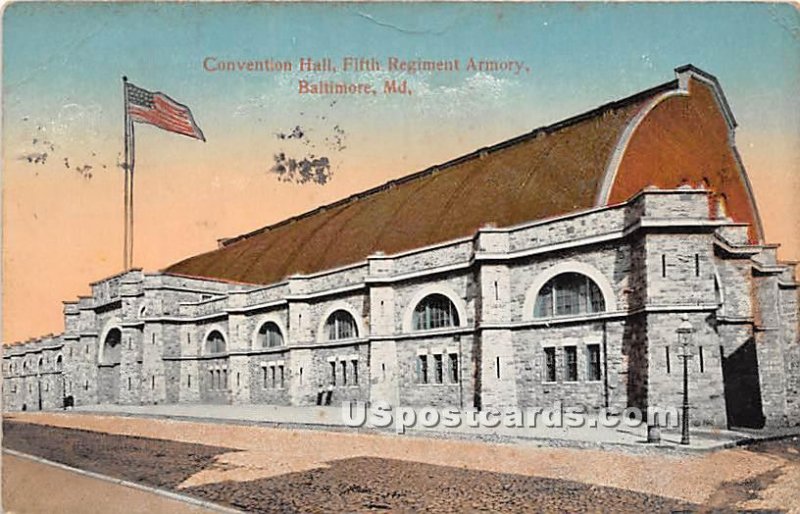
point(62, 214)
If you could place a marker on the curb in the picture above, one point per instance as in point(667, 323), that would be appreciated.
point(747, 441)
point(133, 485)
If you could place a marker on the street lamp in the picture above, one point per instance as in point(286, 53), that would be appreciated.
point(685, 333)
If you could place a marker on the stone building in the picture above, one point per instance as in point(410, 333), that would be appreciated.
point(557, 265)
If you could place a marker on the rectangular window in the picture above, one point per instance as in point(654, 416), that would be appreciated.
point(663, 265)
point(454, 368)
point(301, 375)
point(697, 265)
point(438, 368)
point(129, 383)
point(272, 375)
point(422, 369)
point(282, 375)
point(355, 371)
point(497, 367)
point(211, 372)
point(593, 362)
point(225, 378)
point(550, 364)
point(264, 372)
point(333, 373)
point(702, 360)
point(570, 363)
point(152, 382)
point(667, 357)
point(154, 339)
point(189, 381)
point(344, 372)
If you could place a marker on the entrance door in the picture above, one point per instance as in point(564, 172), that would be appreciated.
point(743, 387)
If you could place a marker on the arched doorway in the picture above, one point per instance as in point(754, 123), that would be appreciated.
point(109, 364)
point(214, 380)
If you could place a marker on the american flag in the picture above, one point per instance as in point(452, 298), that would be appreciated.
point(162, 111)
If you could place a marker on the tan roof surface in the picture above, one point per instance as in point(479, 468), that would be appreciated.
point(550, 171)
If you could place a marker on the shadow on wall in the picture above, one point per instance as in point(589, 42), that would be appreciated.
point(634, 348)
point(742, 387)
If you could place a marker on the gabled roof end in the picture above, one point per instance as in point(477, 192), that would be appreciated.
point(688, 71)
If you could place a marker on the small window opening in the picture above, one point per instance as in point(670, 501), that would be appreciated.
point(666, 349)
point(702, 360)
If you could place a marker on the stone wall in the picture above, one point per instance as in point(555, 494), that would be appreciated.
point(679, 269)
point(534, 389)
point(791, 343)
point(269, 377)
point(413, 389)
point(704, 367)
point(770, 348)
point(656, 258)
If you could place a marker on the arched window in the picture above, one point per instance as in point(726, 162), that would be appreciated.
point(112, 347)
point(435, 311)
point(40, 365)
point(215, 343)
point(340, 325)
point(59, 363)
point(569, 294)
point(269, 335)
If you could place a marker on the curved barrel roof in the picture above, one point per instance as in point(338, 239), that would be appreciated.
point(571, 165)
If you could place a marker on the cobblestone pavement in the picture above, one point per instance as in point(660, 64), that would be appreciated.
point(273, 470)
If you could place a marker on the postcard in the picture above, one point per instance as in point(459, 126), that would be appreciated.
point(400, 257)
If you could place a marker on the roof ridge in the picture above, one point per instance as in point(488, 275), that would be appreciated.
point(545, 129)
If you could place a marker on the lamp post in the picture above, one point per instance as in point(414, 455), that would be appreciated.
point(685, 332)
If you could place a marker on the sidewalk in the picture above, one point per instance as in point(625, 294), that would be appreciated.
point(591, 434)
point(35, 485)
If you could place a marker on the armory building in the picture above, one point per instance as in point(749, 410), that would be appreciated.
point(557, 265)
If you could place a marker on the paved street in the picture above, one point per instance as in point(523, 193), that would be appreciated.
point(263, 469)
point(30, 487)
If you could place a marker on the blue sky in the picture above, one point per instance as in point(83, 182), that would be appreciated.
point(580, 55)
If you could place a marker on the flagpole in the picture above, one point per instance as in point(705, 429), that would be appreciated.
point(125, 263)
point(132, 167)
